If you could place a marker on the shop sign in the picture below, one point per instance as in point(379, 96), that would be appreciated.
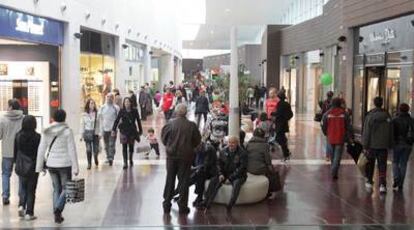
point(385, 36)
point(14, 24)
point(375, 60)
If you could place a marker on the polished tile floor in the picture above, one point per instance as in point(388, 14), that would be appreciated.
point(310, 199)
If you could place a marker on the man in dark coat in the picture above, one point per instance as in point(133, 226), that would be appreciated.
point(180, 137)
point(145, 103)
point(232, 169)
point(201, 107)
point(281, 117)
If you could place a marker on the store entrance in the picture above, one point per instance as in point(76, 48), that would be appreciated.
point(385, 83)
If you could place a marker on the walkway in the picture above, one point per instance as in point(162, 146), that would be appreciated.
point(310, 199)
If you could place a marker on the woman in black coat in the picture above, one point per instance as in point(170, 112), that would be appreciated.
point(25, 154)
point(202, 107)
point(281, 117)
point(127, 121)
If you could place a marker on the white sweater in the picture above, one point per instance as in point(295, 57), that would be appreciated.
point(63, 152)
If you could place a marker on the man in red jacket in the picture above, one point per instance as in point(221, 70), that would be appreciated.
point(336, 125)
point(167, 104)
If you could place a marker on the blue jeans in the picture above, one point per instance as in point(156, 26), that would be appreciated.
point(399, 163)
point(59, 178)
point(336, 156)
point(7, 169)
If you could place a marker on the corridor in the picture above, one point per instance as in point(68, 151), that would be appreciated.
point(310, 199)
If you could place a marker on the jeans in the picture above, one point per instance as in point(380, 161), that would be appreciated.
point(109, 142)
point(156, 148)
point(92, 147)
point(27, 193)
point(199, 118)
point(328, 149)
point(168, 114)
point(336, 156)
point(7, 169)
point(125, 148)
point(215, 185)
point(399, 164)
point(381, 156)
point(282, 140)
point(59, 178)
point(182, 170)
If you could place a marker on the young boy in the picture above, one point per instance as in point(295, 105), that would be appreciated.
point(152, 139)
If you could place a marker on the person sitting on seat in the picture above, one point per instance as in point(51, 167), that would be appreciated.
point(232, 169)
point(260, 161)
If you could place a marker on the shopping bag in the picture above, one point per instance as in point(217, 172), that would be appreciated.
point(362, 163)
point(75, 191)
point(143, 146)
point(354, 149)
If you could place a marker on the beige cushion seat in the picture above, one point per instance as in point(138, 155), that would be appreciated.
point(252, 191)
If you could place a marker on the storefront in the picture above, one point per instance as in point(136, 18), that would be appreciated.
point(383, 66)
point(30, 63)
point(135, 56)
point(288, 77)
point(97, 66)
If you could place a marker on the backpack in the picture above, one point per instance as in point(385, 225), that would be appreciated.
point(24, 165)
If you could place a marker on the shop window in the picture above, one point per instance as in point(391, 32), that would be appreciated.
point(97, 77)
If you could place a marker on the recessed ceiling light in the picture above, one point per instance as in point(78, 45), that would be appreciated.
point(227, 10)
point(211, 31)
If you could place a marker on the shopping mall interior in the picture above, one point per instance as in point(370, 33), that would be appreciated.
point(238, 55)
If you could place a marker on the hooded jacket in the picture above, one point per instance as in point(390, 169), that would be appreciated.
point(10, 124)
point(27, 143)
point(336, 125)
point(282, 115)
point(403, 124)
point(259, 159)
point(378, 130)
point(233, 165)
point(63, 152)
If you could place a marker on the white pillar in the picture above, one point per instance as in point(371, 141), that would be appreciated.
point(70, 81)
point(166, 69)
point(121, 68)
point(234, 125)
point(147, 65)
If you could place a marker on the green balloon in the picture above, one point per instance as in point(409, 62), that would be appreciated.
point(326, 79)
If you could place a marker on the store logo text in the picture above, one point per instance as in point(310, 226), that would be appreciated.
point(385, 36)
point(29, 26)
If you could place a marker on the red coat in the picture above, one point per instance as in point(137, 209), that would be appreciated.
point(271, 106)
point(167, 101)
point(336, 126)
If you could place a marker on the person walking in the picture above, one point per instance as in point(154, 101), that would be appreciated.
point(57, 151)
point(153, 141)
point(336, 126)
point(108, 114)
point(257, 96)
point(325, 106)
point(403, 125)
point(202, 108)
point(281, 117)
point(180, 137)
point(157, 98)
point(232, 169)
point(377, 138)
point(90, 130)
point(260, 161)
point(25, 155)
point(145, 103)
point(250, 95)
point(10, 124)
point(129, 123)
point(167, 104)
point(133, 99)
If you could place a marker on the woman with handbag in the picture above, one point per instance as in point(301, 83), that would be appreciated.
point(127, 121)
point(89, 131)
point(57, 153)
point(25, 154)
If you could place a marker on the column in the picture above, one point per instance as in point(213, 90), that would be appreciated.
point(122, 67)
point(147, 63)
point(70, 80)
point(166, 69)
point(234, 125)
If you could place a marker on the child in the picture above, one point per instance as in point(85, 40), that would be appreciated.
point(152, 139)
point(263, 123)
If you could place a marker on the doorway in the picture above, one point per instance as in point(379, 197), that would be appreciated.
point(384, 82)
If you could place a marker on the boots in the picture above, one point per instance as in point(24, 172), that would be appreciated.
point(131, 161)
point(89, 157)
point(96, 159)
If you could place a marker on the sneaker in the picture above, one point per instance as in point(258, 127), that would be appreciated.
point(272, 196)
point(125, 166)
point(59, 218)
point(395, 187)
point(30, 217)
point(383, 189)
point(368, 185)
point(21, 211)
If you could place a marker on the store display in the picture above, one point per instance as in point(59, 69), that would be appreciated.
point(3, 69)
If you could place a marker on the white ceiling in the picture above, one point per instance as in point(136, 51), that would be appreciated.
point(250, 17)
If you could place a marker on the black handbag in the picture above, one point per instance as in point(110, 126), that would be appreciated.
point(24, 165)
point(318, 117)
